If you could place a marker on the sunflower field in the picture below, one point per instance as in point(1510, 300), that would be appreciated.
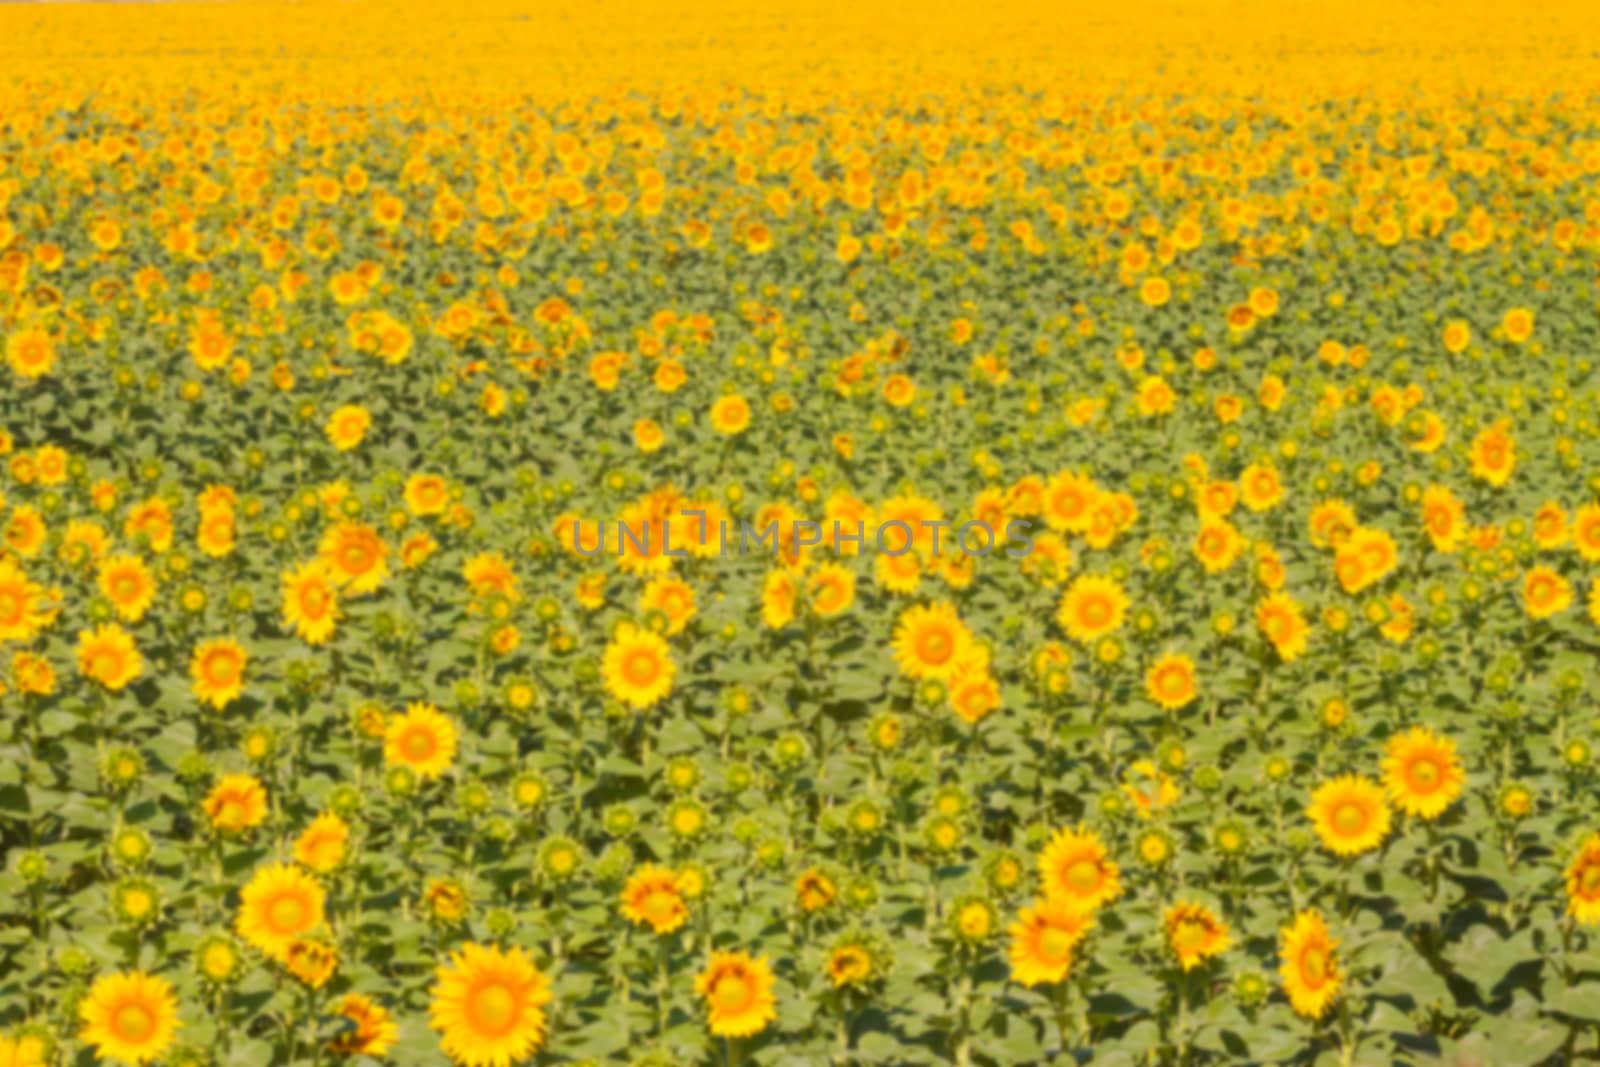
point(666, 533)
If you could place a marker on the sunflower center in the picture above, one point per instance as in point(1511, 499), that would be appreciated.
point(10, 607)
point(1055, 944)
point(125, 587)
point(731, 993)
point(1314, 966)
point(1425, 775)
point(356, 558)
point(934, 646)
point(493, 1009)
point(1083, 875)
point(133, 1022)
point(1349, 819)
point(419, 744)
point(287, 913)
point(1096, 611)
point(1589, 881)
point(1189, 934)
point(641, 667)
point(106, 663)
point(313, 601)
point(221, 670)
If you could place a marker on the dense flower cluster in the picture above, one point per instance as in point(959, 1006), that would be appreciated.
point(379, 394)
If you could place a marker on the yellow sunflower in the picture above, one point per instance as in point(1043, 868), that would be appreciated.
point(730, 415)
point(638, 667)
point(237, 802)
point(218, 671)
point(831, 589)
point(355, 556)
point(1077, 870)
point(372, 1030)
point(126, 582)
point(1545, 593)
point(1281, 621)
point(427, 494)
point(278, 906)
point(738, 993)
point(1043, 939)
point(674, 598)
point(1170, 681)
point(107, 655)
point(1092, 607)
point(348, 426)
point(421, 738)
point(322, 845)
point(129, 1016)
point(1422, 772)
point(311, 602)
point(1194, 933)
point(1350, 815)
point(30, 352)
point(488, 1006)
point(1309, 970)
point(1583, 882)
point(931, 641)
point(653, 897)
point(22, 603)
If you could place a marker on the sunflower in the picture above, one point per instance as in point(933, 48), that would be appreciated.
point(1585, 533)
point(322, 845)
point(738, 993)
point(1422, 772)
point(218, 671)
point(1194, 933)
point(488, 1006)
point(1349, 814)
point(311, 962)
point(1545, 593)
point(831, 589)
point(107, 655)
point(1170, 681)
point(638, 667)
point(22, 604)
point(217, 532)
point(30, 352)
point(653, 897)
point(237, 802)
point(1583, 882)
point(1494, 455)
point(730, 415)
point(850, 965)
point(126, 582)
point(421, 738)
point(427, 494)
point(1043, 939)
point(931, 641)
point(1077, 869)
point(1309, 970)
point(279, 905)
point(974, 694)
point(355, 556)
point(1281, 622)
point(129, 1016)
point(348, 426)
point(1069, 501)
point(1518, 325)
point(1091, 608)
point(673, 598)
point(371, 1032)
point(311, 602)
point(1218, 545)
